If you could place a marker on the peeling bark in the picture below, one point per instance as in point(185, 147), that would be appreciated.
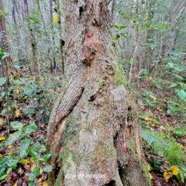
point(91, 134)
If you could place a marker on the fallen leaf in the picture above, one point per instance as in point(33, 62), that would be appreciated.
point(9, 153)
point(40, 180)
point(162, 127)
point(146, 118)
point(41, 170)
point(167, 176)
point(1, 121)
point(33, 166)
point(17, 113)
point(45, 183)
point(151, 96)
point(150, 175)
point(16, 91)
point(55, 18)
point(175, 170)
point(149, 168)
point(24, 161)
point(2, 138)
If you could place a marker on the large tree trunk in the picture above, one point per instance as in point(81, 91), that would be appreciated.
point(91, 133)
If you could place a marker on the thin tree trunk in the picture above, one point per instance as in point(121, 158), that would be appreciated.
point(176, 11)
point(149, 38)
point(4, 44)
point(3, 41)
point(32, 41)
point(53, 63)
point(92, 132)
point(17, 32)
point(7, 61)
point(47, 37)
point(60, 35)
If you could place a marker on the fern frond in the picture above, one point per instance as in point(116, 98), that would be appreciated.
point(163, 146)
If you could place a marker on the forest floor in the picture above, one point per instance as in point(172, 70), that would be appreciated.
point(163, 129)
point(23, 127)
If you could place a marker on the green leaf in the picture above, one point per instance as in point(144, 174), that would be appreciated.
point(34, 154)
point(181, 94)
point(34, 173)
point(6, 174)
point(6, 54)
point(179, 77)
point(170, 65)
point(180, 131)
point(38, 147)
point(30, 128)
point(14, 137)
point(182, 172)
point(24, 148)
point(9, 161)
point(29, 111)
point(119, 27)
point(17, 82)
point(3, 177)
point(46, 157)
point(15, 161)
point(2, 81)
point(2, 171)
point(1, 55)
point(163, 146)
point(3, 163)
point(156, 83)
point(173, 85)
point(31, 184)
point(16, 125)
point(34, 151)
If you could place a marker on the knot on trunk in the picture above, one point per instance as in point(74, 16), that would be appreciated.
point(89, 55)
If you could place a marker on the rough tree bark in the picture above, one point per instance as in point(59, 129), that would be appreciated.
point(92, 133)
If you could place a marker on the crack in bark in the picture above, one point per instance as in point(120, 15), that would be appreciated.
point(64, 107)
point(58, 124)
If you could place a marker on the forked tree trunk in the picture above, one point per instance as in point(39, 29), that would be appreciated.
point(92, 136)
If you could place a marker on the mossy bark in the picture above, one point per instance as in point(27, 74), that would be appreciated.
point(91, 135)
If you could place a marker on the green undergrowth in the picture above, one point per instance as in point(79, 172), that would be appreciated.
point(25, 110)
point(162, 108)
